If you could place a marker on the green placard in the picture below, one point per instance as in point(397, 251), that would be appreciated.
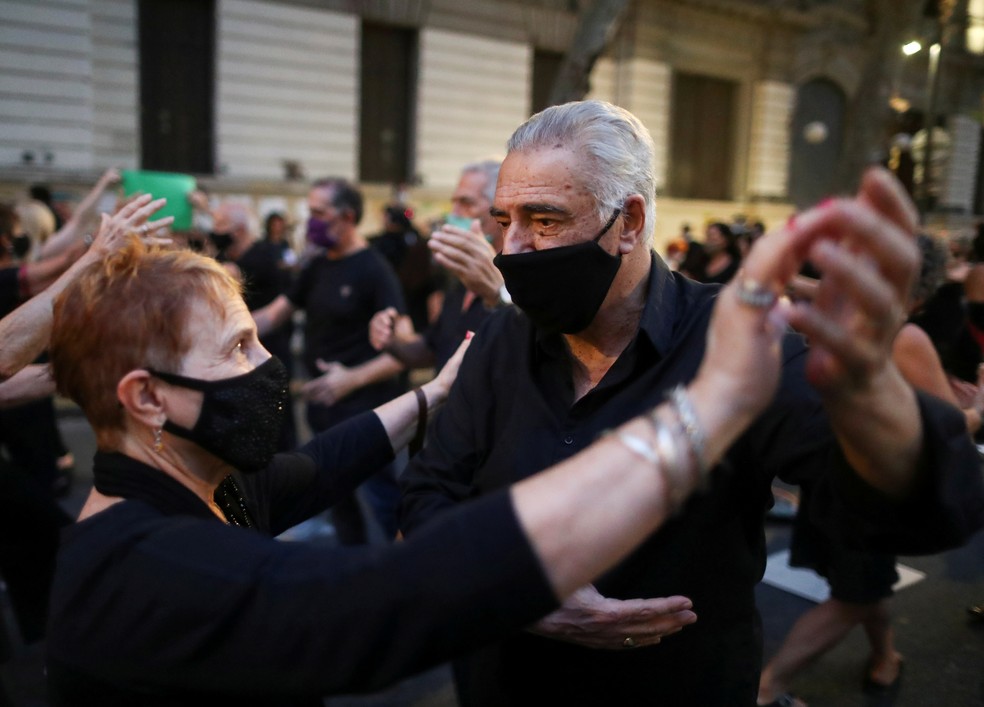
point(173, 187)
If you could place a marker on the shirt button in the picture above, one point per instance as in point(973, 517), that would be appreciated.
point(569, 439)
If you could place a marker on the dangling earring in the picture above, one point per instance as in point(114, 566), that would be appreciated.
point(158, 444)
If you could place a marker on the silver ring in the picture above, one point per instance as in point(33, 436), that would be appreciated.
point(629, 642)
point(144, 229)
point(754, 294)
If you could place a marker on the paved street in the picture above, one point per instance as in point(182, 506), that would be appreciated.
point(942, 645)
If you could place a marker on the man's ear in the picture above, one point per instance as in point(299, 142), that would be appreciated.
point(140, 396)
point(633, 223)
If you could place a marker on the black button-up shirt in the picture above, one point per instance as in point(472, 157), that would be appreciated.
point(512, 413)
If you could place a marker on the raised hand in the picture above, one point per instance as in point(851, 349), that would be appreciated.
point(865, 248)
point(469, 256)
point(131, 219)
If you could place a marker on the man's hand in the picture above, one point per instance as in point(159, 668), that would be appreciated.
point(588, 619)
point(389, 326)
point(335, 382)
point(469, 256)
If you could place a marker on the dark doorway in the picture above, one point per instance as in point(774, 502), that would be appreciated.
point(546, 66)
point(814, 150)
point(979, 191)
point(177, 85)
point(702, 141)
point(389, 71)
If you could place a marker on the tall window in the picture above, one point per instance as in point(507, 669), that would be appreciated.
point(546, 66)
point(702, 140)
point(177, 80)
point(389, 79)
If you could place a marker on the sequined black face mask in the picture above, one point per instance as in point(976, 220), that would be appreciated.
point(241, 417)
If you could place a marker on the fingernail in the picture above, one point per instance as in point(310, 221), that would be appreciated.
point(791, 222)
point(469, 335)
point(826, 202)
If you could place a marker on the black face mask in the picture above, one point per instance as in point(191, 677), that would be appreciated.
point(561, 289)
point(221, 241)
point(241, 416)
point(20, 245)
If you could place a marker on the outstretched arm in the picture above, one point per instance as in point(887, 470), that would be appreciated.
point(70, 235)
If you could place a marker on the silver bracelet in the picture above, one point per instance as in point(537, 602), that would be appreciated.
point(684, 408)
point(638, 445)
point(677, 469)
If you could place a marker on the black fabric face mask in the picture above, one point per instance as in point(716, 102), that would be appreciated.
point(241, 417)
point(21, 245)
point(561, 289)
point(221, 241)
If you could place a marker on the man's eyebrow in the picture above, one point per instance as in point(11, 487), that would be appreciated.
point(533, 208)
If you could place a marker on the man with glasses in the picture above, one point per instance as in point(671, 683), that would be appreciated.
point(602, 332)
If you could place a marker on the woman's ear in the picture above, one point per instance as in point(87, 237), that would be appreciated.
point(634, 223)
point(139, 395)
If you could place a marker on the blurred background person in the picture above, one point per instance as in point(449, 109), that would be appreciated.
point(477, 288)
point(722, 258)
point(339, 290)
point(407, 253)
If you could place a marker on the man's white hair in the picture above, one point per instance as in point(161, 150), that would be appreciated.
point(241, 216)
point(615, 149)
point(488, 169)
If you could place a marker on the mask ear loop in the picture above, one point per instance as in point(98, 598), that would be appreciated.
point(611, 222)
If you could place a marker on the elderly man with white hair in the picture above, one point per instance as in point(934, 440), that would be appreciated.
point(602, 331)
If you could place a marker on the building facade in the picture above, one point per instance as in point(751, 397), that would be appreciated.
point(748, 101)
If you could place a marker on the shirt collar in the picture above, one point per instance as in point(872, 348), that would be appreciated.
point(660, 312)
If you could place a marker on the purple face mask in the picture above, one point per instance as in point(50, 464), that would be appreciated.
point(319, 233)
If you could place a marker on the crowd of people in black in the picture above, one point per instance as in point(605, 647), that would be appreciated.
point(597, 435)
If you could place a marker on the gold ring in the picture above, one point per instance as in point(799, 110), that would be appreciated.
point(629, 642)
point(754, 294)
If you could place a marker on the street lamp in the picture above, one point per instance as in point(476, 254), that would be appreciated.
point(911, 48)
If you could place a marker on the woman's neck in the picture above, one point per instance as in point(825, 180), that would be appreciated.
point(199, 475)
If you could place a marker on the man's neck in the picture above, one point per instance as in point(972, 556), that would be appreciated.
point(595, 349)
point(347, 245)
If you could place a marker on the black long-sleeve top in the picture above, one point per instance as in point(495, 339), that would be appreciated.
point(512, 413)
point(156, 601)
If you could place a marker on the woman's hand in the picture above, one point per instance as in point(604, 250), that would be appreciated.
point(131, 219)
point(866, 251)
point(441, 385)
